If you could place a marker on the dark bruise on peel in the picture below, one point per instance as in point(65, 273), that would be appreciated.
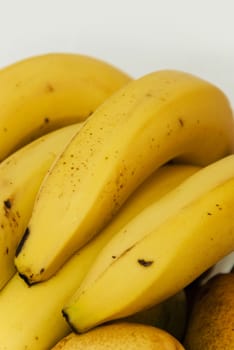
point(7, 203)
point(144, 262)
point(21, 243)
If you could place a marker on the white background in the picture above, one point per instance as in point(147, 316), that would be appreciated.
point(138, 36)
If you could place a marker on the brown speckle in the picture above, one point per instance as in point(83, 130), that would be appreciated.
point(209, 213)
point(113, 256)
point(46, 120)
point(42, 270)
point(7, 250)
point(181, 122)
point(90, 113)
point(49, 87)
point(144, 262)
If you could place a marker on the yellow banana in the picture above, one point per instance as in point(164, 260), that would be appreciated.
point(45, 92)
point(20, 177)
point(33, 315)
point(161, 250)
point(161, 116)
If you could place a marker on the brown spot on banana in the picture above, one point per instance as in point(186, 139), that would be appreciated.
point(49, 88)
point(144, 262)
point(7, 203)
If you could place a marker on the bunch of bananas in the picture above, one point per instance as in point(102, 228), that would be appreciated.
point(116, 193)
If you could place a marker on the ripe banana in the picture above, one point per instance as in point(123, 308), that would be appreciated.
point(20, 177)
point(45, 92)
point(33, 315)
point(161, 250)
point(161, 116)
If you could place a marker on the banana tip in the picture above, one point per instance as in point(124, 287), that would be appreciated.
point(26, 279)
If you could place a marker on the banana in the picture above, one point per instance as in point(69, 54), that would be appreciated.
point(42, 93)
point(162, 116)
point(20, 177)
point(33, 315)
point(160, 251)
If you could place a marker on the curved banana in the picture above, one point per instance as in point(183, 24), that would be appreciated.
point(161, 116)
point(45, 92)
point(161, 250)
point(20, 177)
point(33, 315)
